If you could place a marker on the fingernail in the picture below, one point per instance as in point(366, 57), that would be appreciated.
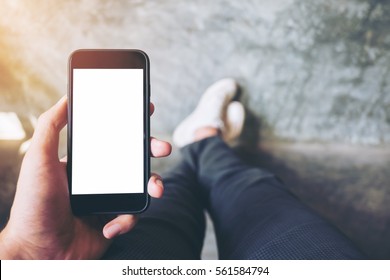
point(112, 231)
point(159, 183)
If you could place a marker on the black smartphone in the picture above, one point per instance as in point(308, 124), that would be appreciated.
point(108, 131)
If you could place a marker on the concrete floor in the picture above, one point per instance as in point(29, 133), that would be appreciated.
point(314, 70)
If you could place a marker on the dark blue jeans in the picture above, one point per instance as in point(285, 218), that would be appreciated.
point(254, 216)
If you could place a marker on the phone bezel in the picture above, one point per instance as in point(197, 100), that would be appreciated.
point(110, 59)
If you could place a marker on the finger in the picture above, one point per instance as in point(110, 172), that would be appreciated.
point(46, 136)
point(119, 225)
point(155, 186)
point(151, 108)
point(160, 148)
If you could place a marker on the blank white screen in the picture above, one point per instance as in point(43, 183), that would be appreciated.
point(107, 140)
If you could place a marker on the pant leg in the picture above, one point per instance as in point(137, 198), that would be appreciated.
point(255, 217)
point(173, 226)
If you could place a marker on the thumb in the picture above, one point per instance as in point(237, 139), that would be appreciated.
point(46, 136)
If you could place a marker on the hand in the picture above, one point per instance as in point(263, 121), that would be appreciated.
point(41, 224)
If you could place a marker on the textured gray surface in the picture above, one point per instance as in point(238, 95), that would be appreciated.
point(315, 71)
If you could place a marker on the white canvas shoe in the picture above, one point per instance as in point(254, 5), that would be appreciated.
point(210, 112)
